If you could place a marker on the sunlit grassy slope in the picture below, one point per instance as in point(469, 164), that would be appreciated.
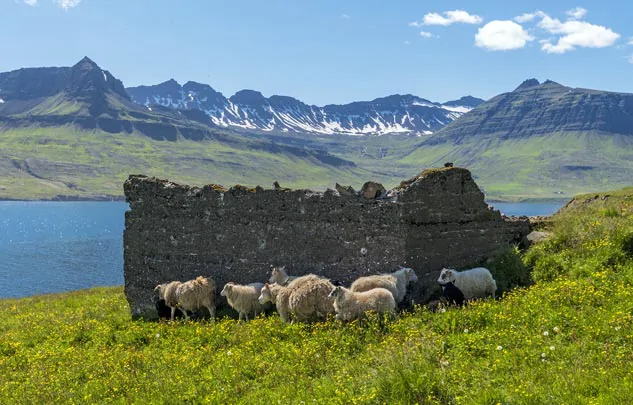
point(41, 162)
point(566, 339)
point(45, 162)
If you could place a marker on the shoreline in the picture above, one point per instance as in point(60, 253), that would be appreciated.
point(58, 198)
point(121, 198)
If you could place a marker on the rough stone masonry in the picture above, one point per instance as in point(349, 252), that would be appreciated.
point(177, 232)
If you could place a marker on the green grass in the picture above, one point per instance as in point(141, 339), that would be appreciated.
point(71, 162)
point(83, 163)
point(568, 338)
point(538, 167)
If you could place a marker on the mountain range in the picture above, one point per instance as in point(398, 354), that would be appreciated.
point(250, 110)
point(77, 131)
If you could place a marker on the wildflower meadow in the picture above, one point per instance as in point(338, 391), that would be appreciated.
point(562, 333)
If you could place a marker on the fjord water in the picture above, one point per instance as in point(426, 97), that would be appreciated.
point(48, 247)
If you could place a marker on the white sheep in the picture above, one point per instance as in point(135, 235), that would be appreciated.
point(396, 282)
point(243, 298)
point(350, 305)
point(304, 299)
point(167, 292)
point(473, 283)
point(278, 295)
point(280, 276)
point(309, 298)
point(189, 296)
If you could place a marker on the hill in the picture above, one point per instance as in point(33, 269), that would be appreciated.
point(73, 132)
point(542, 139)
point(564, 339)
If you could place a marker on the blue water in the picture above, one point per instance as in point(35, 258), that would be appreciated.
point(48, 247)
point(529, 209)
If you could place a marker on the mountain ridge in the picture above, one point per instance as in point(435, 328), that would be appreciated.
point(251, 110)
point(537, 109)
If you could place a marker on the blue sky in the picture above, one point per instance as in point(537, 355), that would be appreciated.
point(330, 51)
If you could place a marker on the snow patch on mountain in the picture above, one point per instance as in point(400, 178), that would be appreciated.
point(248, 109)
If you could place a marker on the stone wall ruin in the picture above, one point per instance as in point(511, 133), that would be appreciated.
point(177, 232)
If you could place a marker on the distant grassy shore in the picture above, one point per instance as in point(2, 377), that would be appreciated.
point(68, 163)
point(565, 338)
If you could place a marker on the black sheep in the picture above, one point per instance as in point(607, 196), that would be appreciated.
point(452, 294)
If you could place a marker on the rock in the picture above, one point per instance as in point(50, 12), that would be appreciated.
point(537, 236)
point(345, 190)
point(372, 190)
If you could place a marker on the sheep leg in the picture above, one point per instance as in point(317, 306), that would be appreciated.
point(211, 312)
point(173, 312)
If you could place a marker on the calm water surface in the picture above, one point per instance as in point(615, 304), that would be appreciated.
point(48, 247)
point(60, 246)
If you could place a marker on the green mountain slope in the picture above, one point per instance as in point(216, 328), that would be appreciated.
point(541, 140)
point(74, 132)
point(42, 163)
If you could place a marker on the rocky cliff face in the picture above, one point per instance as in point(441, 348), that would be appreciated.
point(84, 79)
point(89, 97)
point(544, 108)
point(249, 109)
point(176, 232)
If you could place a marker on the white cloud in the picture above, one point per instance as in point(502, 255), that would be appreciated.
point(577, 13)
point(630, 41)
point(66, 4)
point(425, 34)
point(449, 17)
point(502, 36)
point(407, 43)
point(575, 34)
point(527, 17)
point(630, 59)
point(345, 16)
point(31, 2)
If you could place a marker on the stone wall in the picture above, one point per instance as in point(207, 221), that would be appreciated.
point(176, 232)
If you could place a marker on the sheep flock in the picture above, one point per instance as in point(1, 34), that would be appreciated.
point(312, 298)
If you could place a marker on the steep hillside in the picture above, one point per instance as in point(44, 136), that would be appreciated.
point(535, 109)
point(249, 109)
point(540, 140)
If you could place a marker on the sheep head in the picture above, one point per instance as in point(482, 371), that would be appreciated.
point(446, 276)
point(335, 292)
point(161, 291)
point(227, 288)
point(411, 277)
point(278, 275)
point(265, 295)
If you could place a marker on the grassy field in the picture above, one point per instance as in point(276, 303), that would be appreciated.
point(40, 163)
point(565, 339)
point(45, 162)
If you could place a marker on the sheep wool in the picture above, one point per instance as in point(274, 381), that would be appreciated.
point(167, 292)
point(309, 298)
point(473, 283)
point(350, 305)
point(279, 296)
point(396, 282)
point(195, 294)
point(244, 298)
